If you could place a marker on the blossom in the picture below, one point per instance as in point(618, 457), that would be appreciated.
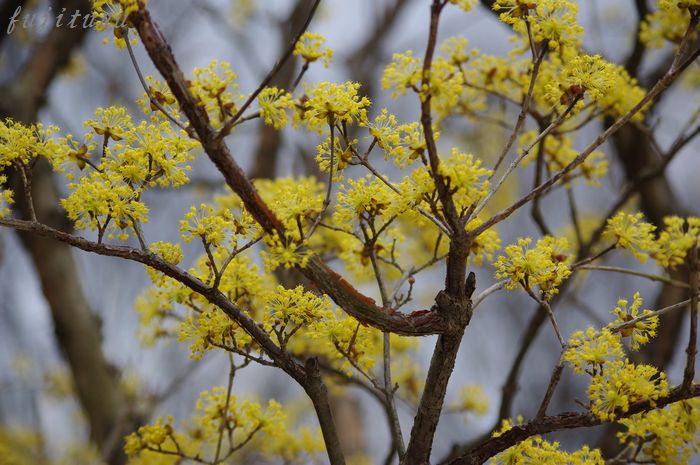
point(583, 75)
point(620, 384)
point(632, 234)
point(310, 48)
point(553, 21)
point(676, 240)
point(330, 102)
point(404, 72)
point(546, 265)
point(589, 351)
point(273, 105)
point(465, 5)
point(666, 436)
point(640, 332)
point(215, 90)
point(472, 399)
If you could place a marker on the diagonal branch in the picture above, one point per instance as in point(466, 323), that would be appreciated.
point(345, 295)
point(568, 420)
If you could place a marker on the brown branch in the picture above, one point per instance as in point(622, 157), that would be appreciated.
point(660, 86)
point(568, 420)
point(692, 349)
point(553, 383)
point(307, 378)
point(345, 295)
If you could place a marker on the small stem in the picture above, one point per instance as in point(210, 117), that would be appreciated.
point(480, 206)
point(329, 188)
point(223, 426)
point(487, 292)
point(691, 350)
point(152, 99)
point(544, 304)
point(27, 185)
point(661, 311)
point(592, 258)
point(653, 277)
point(553, 383)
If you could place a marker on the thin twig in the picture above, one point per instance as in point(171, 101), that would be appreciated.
point(329, 187)
point(544, 304)
point(692, 349)
point(224, 415)
point(147, 89)
point(553, 383)
point(653, 277)
point(275, 69)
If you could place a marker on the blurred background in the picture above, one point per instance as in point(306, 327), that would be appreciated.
point(67, 318)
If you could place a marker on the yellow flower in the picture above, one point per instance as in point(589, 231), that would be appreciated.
point(310, 48)
point(472, 399)
point(466, 5)
point(546, 265)
point(273, 105)
point(328, 102)
point(590, 351)
point(631, 233)
point(404, 72)
point(559, 152)
point(642, 331)
point(583, 75)
point(553, 21)
point(676, 240)
point(112, 122)
point(668, 24)
point(215, 89)
point(620, 384)
point(667, 436)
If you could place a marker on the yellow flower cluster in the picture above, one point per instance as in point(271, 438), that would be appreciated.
point(582, 75)
point(402, 143)
point(128, 160)
point(341, 155)
point(367, 200)
point(310, 48)
point(149, 437)
point(287, 253)
point(621, 383)
point(615, 381)
point(665, 437)
point(404, 72)
point(671, 247)
point(472, 400)
point(209, 225)
point(536, 450)
point(112, 14)
point(484, 245)
point(274, 104)
point(466, 5)
point(546, 265)
point(667, 24)
point(632, 234)
point(330, 102)
point(589, 351)
point(295, 201)
point(20, 145)
point(553, 21)
point(641, 331)
point(676, 240)
point(445, 86)
point(289, 310)
point(215, 90)
point(247, 427)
